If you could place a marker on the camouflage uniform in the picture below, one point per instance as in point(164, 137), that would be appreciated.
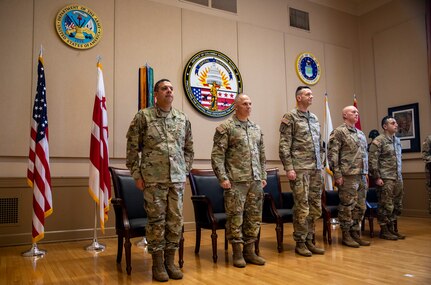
point(426, 156)
point(385, 163)
point(300, 150)
point(348, 159)
point(164, 142)
point(238, 155)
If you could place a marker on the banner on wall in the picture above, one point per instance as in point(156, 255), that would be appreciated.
point(145, 88)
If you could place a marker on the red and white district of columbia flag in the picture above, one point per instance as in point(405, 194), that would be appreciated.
point(100, 179)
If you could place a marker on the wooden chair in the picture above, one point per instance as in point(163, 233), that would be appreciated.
point(372, 204)
point(277, 205)
point(208, 204)
point(130, 215)
point(330, 201)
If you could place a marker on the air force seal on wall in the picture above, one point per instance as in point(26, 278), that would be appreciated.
point(211, 82)
point(78, 26)
point(308, 68)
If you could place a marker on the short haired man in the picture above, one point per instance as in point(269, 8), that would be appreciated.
point(385, 170)
point(159, 155)
point(300, 151)
point(238, 160)
point(426, 156)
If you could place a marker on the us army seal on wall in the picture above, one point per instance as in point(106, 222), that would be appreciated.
point(78, 27)
point(308, 68)
point(211, 82)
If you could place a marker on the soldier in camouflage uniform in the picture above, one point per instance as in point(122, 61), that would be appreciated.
point(348, 159)
point(426, 156)
point(159, 154)
point(238, 160)
point(385, 170)
point(300, 151)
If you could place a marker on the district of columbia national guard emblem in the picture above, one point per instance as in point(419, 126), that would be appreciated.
point(78, 27)
point(211, 82)
point(308, 68)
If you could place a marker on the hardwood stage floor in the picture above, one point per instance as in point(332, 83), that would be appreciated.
point(384, 262)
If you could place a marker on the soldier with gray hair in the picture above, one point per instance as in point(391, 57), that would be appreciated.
point(348, 160)
point(385, 169)
point(300, 151)
point(159, 155)
point(238, 160)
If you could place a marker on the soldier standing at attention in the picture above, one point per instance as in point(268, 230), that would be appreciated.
point(238, 160)
point(159, 154)
point(385, 169)
point(348, 159)
point(426, 156)
point(300, 152)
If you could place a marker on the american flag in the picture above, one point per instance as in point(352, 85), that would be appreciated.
point(203, 95)
point(38, 172)
point(100, 179)
point(68, 22)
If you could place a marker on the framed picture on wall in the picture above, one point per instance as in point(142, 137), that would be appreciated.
point(407, 117)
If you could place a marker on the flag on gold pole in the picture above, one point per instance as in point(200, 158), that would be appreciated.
point(38, 171)
point(100, 179)
point(358, 123)
point(328, 175)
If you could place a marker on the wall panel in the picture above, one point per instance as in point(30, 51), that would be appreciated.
point(18, 63)
point(200, 32)
point(261, 59)
point(138, 42)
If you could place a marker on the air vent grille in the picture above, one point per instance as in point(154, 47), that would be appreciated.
point(8, 211)
point(225, 5)
point(299, 19)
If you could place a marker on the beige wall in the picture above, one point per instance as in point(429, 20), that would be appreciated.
point(393, 66)
point(378, 55)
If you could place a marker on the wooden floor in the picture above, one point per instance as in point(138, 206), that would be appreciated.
point(384, 262)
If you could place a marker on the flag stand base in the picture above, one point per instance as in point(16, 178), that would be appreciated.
point(95, 246)
point(34, 251)
point(142, 243)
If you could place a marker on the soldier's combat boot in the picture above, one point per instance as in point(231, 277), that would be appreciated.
point(159, 271)
point(348, 240)
point(238, 259)
point(391, 229)
point(302, 249)
point(386, 234)
point(250, 256)
point(356, 237)
point(173, 271)
point(311, 247)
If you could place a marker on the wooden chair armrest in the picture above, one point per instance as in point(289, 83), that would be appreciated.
point(202, 205)
point(121, 217)
point(269, 202)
